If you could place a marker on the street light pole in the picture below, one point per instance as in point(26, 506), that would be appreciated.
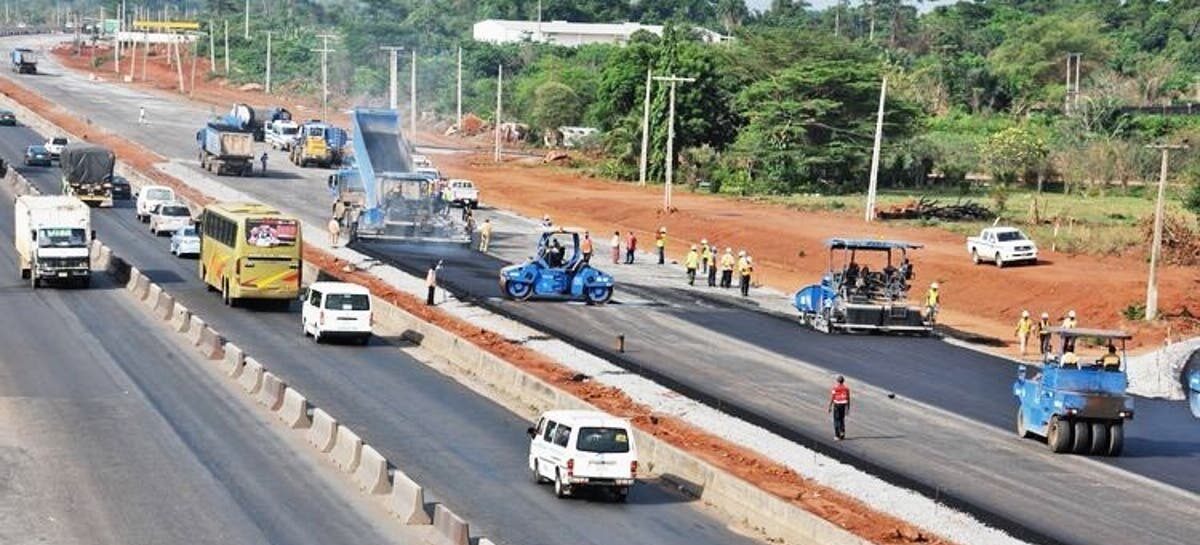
point(670, 160)
point(1156, 245)
point(874, 180)
point(645, 130)
point(458, 94)
point(392, 50)
point(268, 86)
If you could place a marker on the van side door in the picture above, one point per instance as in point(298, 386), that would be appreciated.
point(541, 445)
point(310, 308)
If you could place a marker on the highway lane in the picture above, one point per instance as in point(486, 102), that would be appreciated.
point(112, 432)
point(755, 362)
point(467, 451)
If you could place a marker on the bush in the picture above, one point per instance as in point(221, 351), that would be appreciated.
point(1135, 311)
point(1191, 200)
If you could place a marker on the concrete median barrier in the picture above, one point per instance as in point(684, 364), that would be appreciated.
point(251, 377)
point(451, 528)
point(231, 364)
point(407, 500)
point(164, 306)
point(180, 318)
point(270, 394)
point(323, 433)
point(294, 410)
point(134, 274)
point(372, 472)
point(152, 292)
point(195, 328)
point(140, 284)
point(347, 450)
point(209, 343)
point(101, 256)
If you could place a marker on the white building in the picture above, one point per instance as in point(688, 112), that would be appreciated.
point(569, 34)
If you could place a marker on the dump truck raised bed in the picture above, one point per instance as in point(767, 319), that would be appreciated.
point(226, 149)
point(87, 172)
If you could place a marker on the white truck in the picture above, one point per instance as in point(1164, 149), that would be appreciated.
point(53, 239)
point(282, 133)
point(1002, 245)
point(461, 193)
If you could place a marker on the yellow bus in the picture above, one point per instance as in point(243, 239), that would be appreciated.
point(249, 251)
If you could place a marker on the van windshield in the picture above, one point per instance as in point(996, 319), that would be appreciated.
point(347, 301)
point(603, 440)
point(160, 195)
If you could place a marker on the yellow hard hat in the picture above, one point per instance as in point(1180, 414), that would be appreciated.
point(1024, 313)
point(693, 247)
point(933, 286)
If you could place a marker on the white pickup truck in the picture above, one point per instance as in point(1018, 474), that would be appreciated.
point(461, 193)
point(1002, 245)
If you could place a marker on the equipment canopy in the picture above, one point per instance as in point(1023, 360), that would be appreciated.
point(869, 244)
point(1094, 333)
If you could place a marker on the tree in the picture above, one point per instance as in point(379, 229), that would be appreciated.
point(731, 13)
point(1013, 154)
point(1032, 61)
point(554, 105)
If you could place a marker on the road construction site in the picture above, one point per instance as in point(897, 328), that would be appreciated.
point(947, 432)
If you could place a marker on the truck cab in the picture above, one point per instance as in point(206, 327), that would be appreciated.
point(53, 239)
point(1076, 399)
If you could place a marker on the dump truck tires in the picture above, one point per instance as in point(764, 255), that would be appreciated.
point(1099, 439)
point(1116, 439)
point(1082, 443)
point(1058, 435)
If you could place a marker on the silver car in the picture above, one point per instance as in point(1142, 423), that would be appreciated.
point(185, 241)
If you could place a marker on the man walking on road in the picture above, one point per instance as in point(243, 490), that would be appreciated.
point(485, 235)
point(630, 248)
point(263, 160)
point(335, 230)
point(586, 248)
point(705, 256)
point(839, 405)
point(1024, 327)
point(660, 242)
point(615, 244)
point(1043, 333)
point(712, 266)
point(141, 115)
point(431, 282)
point(727, 263)
point(691, 262)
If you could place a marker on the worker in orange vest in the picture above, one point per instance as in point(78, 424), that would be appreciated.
point(839, 405)
point(585, 247)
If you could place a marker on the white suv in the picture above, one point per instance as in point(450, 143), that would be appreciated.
point(337, 309)
point(151, 196)
point(583, 449)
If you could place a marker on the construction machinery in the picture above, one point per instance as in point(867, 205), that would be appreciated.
point(1077, 401)
point(558, 271)
point(87, 172)
point(380, 196)
point(310, 147)
point(24, 60)
point(853, 296)
point(226, 148)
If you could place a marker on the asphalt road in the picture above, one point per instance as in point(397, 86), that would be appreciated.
point(761, 367)
point(111, 432)
point(468, 451)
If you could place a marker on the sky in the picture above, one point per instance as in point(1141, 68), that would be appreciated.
point(759, 5)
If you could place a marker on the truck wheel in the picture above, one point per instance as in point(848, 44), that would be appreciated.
point(1082, 443)
point(1058, 435)
point(999, 262)
point(24, 274)
point(975, 256)
point(1099, 439)
point(1022, 431)
point(33, 280)
point(1116, 439)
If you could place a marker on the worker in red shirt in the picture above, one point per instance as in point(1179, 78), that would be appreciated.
point(839, 405)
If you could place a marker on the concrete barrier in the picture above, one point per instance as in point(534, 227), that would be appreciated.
point(450, 527)
point(251, 377)
point(209, 343)
point(164, 306)
point(101, 258)
point(134, 274)
point(141, 285)
point(407, 500)
point(152, 293)
point(180, 318)
point(347, 450)
point(323, 432)
point(231, 364)
point(195, 329)
point(270, 394)
point(294, 410)
point(372, 472)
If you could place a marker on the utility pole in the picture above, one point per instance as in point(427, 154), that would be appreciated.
point(412, 100)
point(499, 108)
point(1156, 245)
point(392, 60)
point(268, 86)
point(1072, 96)
point(324, 51)
point(670, 160)
point(195, 53)
point(145, 52)
point(458, 94)
point(875, 153)
point(642, 163)
point(247, 34)
point(178, 59)
point(227, 47)
point(212, 47)
point(117, 41)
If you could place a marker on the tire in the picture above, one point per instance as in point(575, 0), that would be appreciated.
point(1116, 439)
point(1022, 431)
point(85, 283)
point(598, 295)
point(999, 262)
point(1099, 439)
point(225, 297)
point(24, 274)
point(975, 257)
point(1082, 443)
point(518, 290)
point(1058, 435)
point(537, 477)
point(621, 495)
point(560, 490)
point(316, 335)
point(303, 328)
point(364, 340)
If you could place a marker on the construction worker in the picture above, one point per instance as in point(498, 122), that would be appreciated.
point(933, 301)
point(1110, 359)
point(712, 266)
point(335, 230)
point(431, 282)
point(485, 234)
point(1069, 323)
point(263, 159)
point(691, 262)
point(839, 405)
point(616, 247)
point(660, 242)
point(1043, 331)
point(705, 256)
point(1024, 327)
point(630, 248)
point(585, 247)
point(546, 223)
point(727, 264)
point(745, 269)
point(141, 115)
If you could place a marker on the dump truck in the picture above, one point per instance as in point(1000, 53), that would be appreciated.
point(53, 239)
point(87, 171)
point(246, 118)
point(311, 147)
point(226, 149)
point(24, 60)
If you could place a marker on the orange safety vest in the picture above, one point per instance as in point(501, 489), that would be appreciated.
point(586, 246)
point(840, 394)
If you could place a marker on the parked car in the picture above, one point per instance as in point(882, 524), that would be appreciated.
point(55, 146)
point(8, 118)
point(583, 449)
point(37, 156)
point(1002, 245)
point(169, 217)
point(336, 309)
point(121, 189)
point(461, 193)
point(149, 197)
point(185, 241)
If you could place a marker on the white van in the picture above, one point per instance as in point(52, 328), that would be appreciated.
point(150, 196)
point(337, 309)
point(578, 449)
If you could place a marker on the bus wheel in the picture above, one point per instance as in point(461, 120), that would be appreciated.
point(225, 297)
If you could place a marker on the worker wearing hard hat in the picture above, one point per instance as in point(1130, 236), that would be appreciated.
point(933, 301)
point(712, 266)
point(1043, 332)
point(660, 242)
point(706, 256)
point(691, 262)
point(1069, 322)
point(1024, 328)
point(727, 264)
point(745, 269)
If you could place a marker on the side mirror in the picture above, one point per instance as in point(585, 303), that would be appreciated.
point(93, 233)
point(531, 432)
